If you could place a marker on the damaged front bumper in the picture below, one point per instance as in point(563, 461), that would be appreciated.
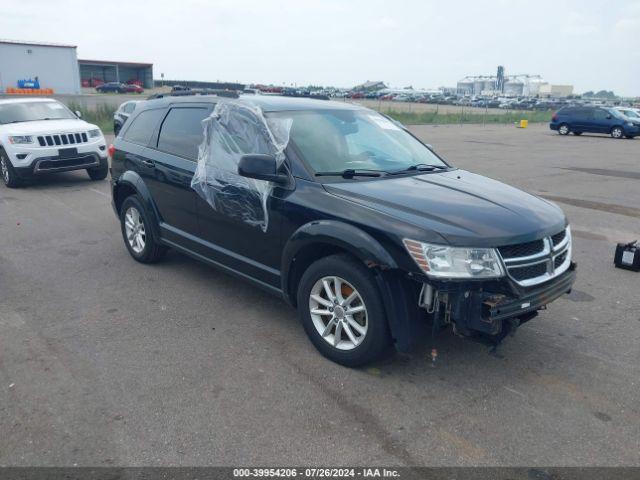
point(492, 308)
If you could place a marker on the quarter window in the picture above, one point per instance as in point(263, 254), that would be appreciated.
point(182, 133)
point(128, 107)
point(143, 127)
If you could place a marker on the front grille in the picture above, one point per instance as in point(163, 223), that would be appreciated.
point(531, 271)
point(58, 139)
point(535, 262)
point(560, 259)
point(558, 237)
point(522, 249)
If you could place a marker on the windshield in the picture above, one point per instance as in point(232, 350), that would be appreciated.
point(617, 114)
point(338, 140)
point(33, 111)
point(630, 113)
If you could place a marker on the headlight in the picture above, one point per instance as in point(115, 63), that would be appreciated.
point(21, 139)
point(453, 262)
point(94, 133)
point(630, 124)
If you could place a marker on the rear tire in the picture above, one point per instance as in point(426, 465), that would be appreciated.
point(563, 129)
point(8, 173)
point(100, 172)
point(350, 339)
point(137, 232)
point(617, 132)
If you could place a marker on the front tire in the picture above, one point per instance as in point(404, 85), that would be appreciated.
point(342, 312)
point(100, 172)
point(563, 129)
point(617, 132)
point(8, 173)
point(136, 229)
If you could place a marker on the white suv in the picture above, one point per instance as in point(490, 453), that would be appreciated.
point(41, 135)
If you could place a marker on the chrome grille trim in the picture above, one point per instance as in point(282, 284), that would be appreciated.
point(547, 257)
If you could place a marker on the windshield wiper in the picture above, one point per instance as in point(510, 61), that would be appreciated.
point(421, 167)
point(350, 173)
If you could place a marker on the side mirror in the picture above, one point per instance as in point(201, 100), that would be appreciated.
point(609, 117)
point(261, 167)
point(78, 113)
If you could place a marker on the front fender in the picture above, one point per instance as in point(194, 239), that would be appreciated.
point(400, 296)
point(339, 234)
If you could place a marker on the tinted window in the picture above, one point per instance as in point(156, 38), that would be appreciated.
point(143, 126)
point(583, 113)
point(568, 111)
point(181, 133)
point(600, 114)
point(128, 107)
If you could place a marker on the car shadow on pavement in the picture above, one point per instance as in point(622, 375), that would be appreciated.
point(63, 179)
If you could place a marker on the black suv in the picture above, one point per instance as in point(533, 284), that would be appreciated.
point(340, 210)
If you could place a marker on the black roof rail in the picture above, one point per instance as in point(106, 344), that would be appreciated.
point(196, 91)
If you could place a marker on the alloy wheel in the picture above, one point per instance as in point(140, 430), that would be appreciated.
point(134, 228)
point(564, 130)
point(338, 313)
point(616, 132)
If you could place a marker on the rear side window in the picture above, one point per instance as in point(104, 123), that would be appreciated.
point(600, 114)
point(181, 133)
point(584, 113)
point(128, 107)
point(143, 126)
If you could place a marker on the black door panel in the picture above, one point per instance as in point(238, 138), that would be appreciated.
point(170, 186)
point(172, 157)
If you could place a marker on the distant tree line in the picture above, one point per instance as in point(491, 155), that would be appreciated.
point(608, 94)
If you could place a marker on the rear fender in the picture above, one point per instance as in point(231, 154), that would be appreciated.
point(132, 180)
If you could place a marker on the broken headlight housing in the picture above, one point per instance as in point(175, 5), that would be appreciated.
point(442, 261)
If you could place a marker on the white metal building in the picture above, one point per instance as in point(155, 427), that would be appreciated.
point(55, 65)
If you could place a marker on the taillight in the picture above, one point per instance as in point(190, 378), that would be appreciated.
point(111, 150)
point(555, 117)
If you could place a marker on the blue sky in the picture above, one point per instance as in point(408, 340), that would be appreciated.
point(591, 44)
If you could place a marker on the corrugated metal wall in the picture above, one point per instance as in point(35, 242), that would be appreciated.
point(56, 67)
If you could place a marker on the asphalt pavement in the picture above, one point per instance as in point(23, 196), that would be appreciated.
point(104, 361)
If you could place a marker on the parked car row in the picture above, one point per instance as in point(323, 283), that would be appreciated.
point(117, 87)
